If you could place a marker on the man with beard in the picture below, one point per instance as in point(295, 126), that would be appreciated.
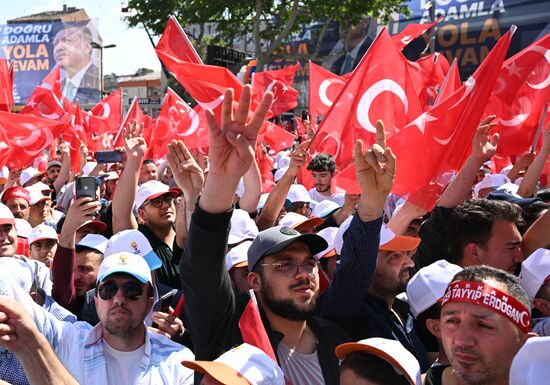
point(322, 168)
point(283, 273)
point(485, 319)
point(120, 349)
point(17, 199)
point(375, 264)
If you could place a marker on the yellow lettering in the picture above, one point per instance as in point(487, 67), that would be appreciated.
point(490, 29)
point(43, 64)
point(41, 51)
point(449, 30)
point(469, 57)
point(303, 49)
point(464, 39)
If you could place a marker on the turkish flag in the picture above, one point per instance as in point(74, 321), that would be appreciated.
point(520, 96)
point(52, 81)
point(134, 114)
point(279, 82)
point(75, 135)
point(276, 137)
point(29, 135)
point(428, 74)
point(324, 88)
point(379, 88)
point(411, 32)
point(6, 87)
point(265, 164)
point(438, 142)
point(450, 84)
point(5, 148)
point(105, 117)
point(176, 121)
point(45, 104)
point(174, 42)
point(252, 328)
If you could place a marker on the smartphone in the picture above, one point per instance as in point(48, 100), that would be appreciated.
point(163, 304)
point(86, 186)
point(108, 156)
point(305, 116)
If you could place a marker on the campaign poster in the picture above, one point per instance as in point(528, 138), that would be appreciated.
point(35, 49)
point(471, 28)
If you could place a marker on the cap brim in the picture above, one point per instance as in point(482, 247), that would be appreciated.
point(314, 221)
point(240, 264)
point(7, 221)
point(330, 253)
point(314, 242)
point(174, 192)
point(152, 260)
point(401, 243)
point(350, 347)
point(42, 238)
point(218, 371)
point(98, 225)
point(139, 277)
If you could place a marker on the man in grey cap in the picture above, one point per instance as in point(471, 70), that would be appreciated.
point(282, 270)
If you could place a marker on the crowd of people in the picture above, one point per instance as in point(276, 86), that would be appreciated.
point(153, 281)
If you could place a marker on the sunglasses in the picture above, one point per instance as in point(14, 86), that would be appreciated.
point(131, 290)
point(158, 202)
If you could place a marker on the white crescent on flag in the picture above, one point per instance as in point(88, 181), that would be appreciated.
point(546, 53)
point(213, 104)
point(325, 84)
point(368, 97)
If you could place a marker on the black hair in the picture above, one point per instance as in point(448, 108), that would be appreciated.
point(322, 162)
point(472, 222)
point(373, 369)
point(148, 161)
point(428, 339)
point(531, 213)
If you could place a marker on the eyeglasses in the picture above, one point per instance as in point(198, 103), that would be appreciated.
point(290, 268)
point(132, 290)
point(158, 202)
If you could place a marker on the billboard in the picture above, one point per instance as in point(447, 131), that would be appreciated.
point(470, 28)
point(37, 48)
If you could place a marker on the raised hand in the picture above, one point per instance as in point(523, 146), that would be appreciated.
point(484, 147)
point(375, 168)
point(187, 173)
point(232, 145)
point(299, 157)
point(134, 144)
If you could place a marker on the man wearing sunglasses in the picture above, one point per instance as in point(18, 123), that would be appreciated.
point(118, 350)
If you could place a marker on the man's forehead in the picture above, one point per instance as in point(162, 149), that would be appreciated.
point(121, 278)
point(67, 33)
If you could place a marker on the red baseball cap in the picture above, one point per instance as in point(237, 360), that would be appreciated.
point(16, 192)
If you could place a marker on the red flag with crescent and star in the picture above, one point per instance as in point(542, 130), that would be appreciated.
point(324, 88)
point(520, 96)
point(411, 32)
point(104, 118)
point(279, 82)
point(379, 88)
point(6, 87)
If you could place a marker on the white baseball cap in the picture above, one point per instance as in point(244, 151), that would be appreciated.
point(328, 234)
point(111, 175)
point(491, 181)
point(279, 173)
point(133, 241)
point(283, 160)
point(22, 227)
point(27, 174)
point(242, 227)
point(531, 365)
point(4, 174)
point(41, 186)
point(127, 263)
point(298, 193)
point(324, 208)
point(242, 365)
point(88, 168)
point(93, 241)
point(42, 232)
point(6, 216)
point(296, 221)
point(151, 190)
point(36, 195)
point(429, 284)
point(392, 351)
point(535, 270)
point(237, 256)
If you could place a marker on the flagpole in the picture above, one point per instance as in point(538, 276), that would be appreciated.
point(124, 120)
point(539, 129)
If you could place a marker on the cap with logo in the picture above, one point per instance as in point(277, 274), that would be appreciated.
point(392, 351)
point(133, 241)
point(277, 238)
point(125, 263)
point(242, 365)
point(151, 190)
point(41, 232)
point(429, 284)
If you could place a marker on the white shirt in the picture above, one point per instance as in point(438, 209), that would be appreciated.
point(122, 367)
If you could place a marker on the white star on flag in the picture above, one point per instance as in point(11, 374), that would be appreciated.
point(421, 121)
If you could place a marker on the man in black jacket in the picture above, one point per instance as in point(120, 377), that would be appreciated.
point(283, 274)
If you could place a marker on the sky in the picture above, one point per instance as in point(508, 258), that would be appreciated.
point(133, 49)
